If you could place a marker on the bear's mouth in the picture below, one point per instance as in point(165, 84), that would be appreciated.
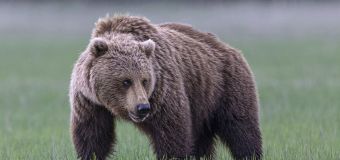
point(138, 119)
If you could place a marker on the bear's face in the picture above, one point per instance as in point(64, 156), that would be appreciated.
point(122, 76)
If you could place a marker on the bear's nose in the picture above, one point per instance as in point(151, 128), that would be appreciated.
point(143, 110)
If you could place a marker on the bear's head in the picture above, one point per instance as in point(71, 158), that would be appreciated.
point(121, 75)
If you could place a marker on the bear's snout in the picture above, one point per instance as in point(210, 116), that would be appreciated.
point(143, 110)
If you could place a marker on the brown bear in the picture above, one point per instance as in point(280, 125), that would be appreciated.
point(183, 88)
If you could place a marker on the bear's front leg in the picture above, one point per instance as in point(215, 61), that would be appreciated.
point(92, 128)
point(170, 130)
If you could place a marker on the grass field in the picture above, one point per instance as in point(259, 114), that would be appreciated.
point(298, 83)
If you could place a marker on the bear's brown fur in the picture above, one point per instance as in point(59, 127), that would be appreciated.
point(198, 88)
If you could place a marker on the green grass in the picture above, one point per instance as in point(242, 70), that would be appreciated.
point(298, 82)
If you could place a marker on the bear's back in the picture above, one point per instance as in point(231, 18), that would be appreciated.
point(202, 37)
point(201, 58)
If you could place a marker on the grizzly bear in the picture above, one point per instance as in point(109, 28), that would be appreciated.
point(183, 88)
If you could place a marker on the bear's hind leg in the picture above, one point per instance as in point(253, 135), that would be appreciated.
point(204, 145)
point(242, 136)
point(237, 111)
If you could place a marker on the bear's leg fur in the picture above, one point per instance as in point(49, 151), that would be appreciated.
point(169, 135)
point(92, 129)
point(170, 128)
point(241, 136)
point(204, 145)
point(237, 113)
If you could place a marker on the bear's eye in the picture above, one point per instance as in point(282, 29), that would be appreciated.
point(127, 83)
point(145, 82)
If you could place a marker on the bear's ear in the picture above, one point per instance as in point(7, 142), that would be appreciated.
point(99, 47)
point(148, 47)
